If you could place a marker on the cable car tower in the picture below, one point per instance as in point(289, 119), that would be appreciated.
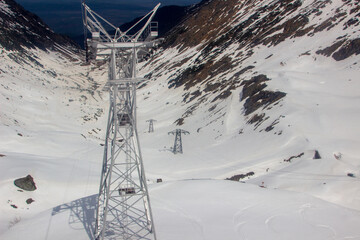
point(177, 148)
point(123, 207)
point(151, 125)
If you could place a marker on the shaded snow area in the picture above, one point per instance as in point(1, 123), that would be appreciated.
point(294, 161)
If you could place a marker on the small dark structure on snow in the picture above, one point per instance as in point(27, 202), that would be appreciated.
point(151, 125)
point(317, 155)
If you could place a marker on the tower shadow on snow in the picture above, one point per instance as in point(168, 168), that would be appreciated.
point(82, 212)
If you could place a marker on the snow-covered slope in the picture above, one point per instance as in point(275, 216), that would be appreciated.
point(51, 117)
point(254, 83)
point(257, 83)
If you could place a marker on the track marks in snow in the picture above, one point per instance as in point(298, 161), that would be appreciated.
point(177, 216)
point(213, 210)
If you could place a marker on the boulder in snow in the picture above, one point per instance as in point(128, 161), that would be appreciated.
point(26, 183)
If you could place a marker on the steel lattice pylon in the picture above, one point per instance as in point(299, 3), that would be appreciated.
point(123, 209)
point(151, 125)
point(177, 148)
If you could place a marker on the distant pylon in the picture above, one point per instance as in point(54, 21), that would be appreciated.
point(178, 142)
point(151, 124)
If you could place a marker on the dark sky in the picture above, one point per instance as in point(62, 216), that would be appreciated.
point(64, 16)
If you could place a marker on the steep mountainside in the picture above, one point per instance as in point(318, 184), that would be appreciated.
point(21, 29)
point(50, 116)
point(237, 30)
point(269, 83)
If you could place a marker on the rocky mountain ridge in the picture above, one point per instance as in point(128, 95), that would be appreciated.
point(256, 75)
point(22, 29)
point(37, 64)
point(242, 27)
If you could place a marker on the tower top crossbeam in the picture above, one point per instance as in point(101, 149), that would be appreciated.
point(178, 131)
point(105, 36)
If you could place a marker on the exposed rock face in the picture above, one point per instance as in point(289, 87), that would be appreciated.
point(268, 25)
point(240, 176)
point(256, 97)
point(348, 49)
point(216, 44)
point(26, 183)
point(30, 200)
